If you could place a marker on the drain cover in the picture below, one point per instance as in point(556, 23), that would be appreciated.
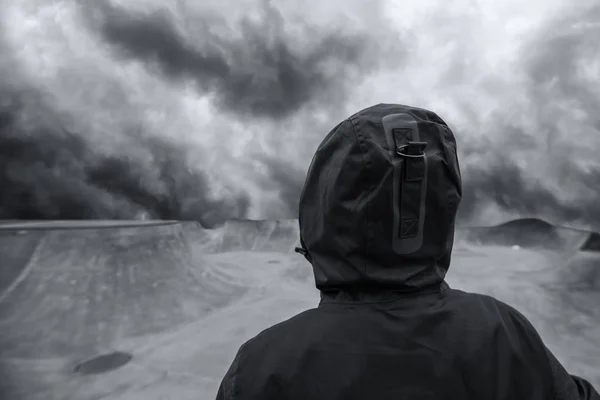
point(103, 363)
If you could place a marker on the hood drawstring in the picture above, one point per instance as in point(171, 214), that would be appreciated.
point(301, 250)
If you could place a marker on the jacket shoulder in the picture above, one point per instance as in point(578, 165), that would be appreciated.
point(501, 319)
point(285, 330)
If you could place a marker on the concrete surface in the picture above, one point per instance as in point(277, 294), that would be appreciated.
point(181, 299)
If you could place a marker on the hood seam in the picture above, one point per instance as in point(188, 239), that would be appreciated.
point(360, 141)
point(441, 289)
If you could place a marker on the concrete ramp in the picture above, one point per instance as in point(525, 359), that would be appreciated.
point(582, 273)
point(254, 235)
point(92, 287)
point(526, 233)
point(592, 243)
point(16, 250)
point(165, 305)
point(70, 291)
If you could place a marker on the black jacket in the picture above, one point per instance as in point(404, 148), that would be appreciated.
point(376, 221)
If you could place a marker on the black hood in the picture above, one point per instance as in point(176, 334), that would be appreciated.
point(379, 203)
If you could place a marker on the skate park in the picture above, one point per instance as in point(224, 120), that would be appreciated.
point(130, 132)
point(157, 309)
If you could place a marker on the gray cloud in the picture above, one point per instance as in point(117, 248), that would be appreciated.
point(566, 127)
point(257, 72)
point(507, 176)
point(49, 172)
point(512, 190)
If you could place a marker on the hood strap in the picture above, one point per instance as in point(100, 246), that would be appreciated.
point(414, 168)
point(411, 197)
point(407, 148)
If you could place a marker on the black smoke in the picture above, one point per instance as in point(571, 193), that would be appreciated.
point(49, 172)
point(512, 190)
point(558, 89)
point(254, 71)
point(508, 176)
point(257, 73)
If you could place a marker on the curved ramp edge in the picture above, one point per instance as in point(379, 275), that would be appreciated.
point(16, 252)
point(530, 233)
point(88, 289)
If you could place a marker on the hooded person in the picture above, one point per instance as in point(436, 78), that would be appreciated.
point(377, 216)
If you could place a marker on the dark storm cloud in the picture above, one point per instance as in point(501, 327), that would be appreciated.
point(556, 88)
point(560, 57)
point(258, 73)
point(48, 172)
point(512, 190)
point(554, 62)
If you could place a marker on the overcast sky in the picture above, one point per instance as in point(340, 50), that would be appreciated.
point(212, 109)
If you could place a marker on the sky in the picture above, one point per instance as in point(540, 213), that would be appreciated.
point(179, 109)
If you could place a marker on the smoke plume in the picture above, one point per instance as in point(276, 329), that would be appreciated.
point(177, 110)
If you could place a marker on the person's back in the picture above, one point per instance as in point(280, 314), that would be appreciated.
point(376, 221)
